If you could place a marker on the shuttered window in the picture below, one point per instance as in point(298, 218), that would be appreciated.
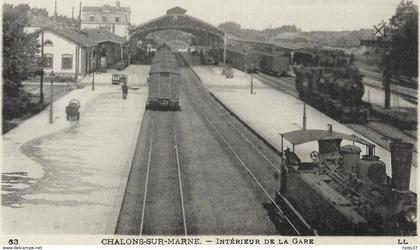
point(67, 62)
point(48, 61)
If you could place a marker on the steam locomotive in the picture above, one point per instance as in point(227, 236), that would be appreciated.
point(330, 81)
point(341, 192)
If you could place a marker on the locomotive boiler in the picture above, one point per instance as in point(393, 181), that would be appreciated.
point(332, 83)
point(339, 191)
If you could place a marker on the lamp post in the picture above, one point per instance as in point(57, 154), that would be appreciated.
point(252, 83)
point(304, 114)
point(51, 104)
point(250, 70)
point(93, 80)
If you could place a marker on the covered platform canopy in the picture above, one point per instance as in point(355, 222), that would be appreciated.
point(304, 136)
point(176, 19)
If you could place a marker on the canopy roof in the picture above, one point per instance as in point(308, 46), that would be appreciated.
point(303, 136)
point(176, 19)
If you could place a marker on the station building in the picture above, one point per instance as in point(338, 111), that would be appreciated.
point(70, 52)
point(114, 19)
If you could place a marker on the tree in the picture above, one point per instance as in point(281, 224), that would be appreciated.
point(231, 27)
point(20, 58)
point(404, 50)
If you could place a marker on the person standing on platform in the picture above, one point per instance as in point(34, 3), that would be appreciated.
point(124, 88)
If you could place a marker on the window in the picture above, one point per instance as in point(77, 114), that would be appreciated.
point(48, 60)
point(67, 62)
point(104, 18)
point(48, 43)
point(92, 18)
point(117, 19)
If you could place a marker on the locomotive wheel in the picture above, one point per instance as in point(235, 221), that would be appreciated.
point(314, 156)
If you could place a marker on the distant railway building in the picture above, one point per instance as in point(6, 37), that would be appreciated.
point(115, 19)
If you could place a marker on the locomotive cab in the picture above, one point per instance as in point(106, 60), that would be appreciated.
point(352, 188)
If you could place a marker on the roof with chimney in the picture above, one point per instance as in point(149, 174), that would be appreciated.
point(106, 8)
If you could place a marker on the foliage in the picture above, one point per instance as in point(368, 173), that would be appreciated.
point(253, 34)
point(404, 51)
point(342, 39)
point(19, 59)
point(39, 12)
point(231, 27)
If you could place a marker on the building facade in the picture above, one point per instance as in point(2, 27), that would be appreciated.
point(115, 19)
point(71, 53)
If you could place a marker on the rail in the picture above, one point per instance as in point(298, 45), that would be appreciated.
point(179, 179)
point(243, 164)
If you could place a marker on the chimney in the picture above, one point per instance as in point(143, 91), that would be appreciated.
point(401, 157)
point(118, 4)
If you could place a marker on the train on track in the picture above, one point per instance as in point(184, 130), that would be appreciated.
point(341, 192)
point(331, 82)
point(164, 81)
point(254, 56)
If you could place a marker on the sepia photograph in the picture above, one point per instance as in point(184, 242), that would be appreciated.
point(182, 122)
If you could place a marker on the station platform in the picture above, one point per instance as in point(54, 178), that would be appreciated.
point(70, 177)
point(271, 112)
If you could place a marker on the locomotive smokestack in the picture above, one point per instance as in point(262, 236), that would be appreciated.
point(401, 158)
point(330, 128)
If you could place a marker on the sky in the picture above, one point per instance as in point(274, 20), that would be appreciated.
point(309, 15)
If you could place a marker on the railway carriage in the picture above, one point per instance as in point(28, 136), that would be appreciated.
point(259, 56)
point(243, 59)
point(164, 82)
point(277, 62)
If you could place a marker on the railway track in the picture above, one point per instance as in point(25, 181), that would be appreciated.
point(227, 130)
point(159, 215)
point(159, 208)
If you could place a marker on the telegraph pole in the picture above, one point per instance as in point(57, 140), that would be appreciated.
point(78, 45)
point(382, 41)
point(386, 78)
point(41, 89)
point(224, 48)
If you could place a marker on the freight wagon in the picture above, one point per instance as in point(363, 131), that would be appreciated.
point(248, 61)
point(164, 82)
point(259, 56)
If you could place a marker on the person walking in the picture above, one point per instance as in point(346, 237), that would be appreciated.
point(124, 88)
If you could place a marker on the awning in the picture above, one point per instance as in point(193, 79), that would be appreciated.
point(303, 136)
